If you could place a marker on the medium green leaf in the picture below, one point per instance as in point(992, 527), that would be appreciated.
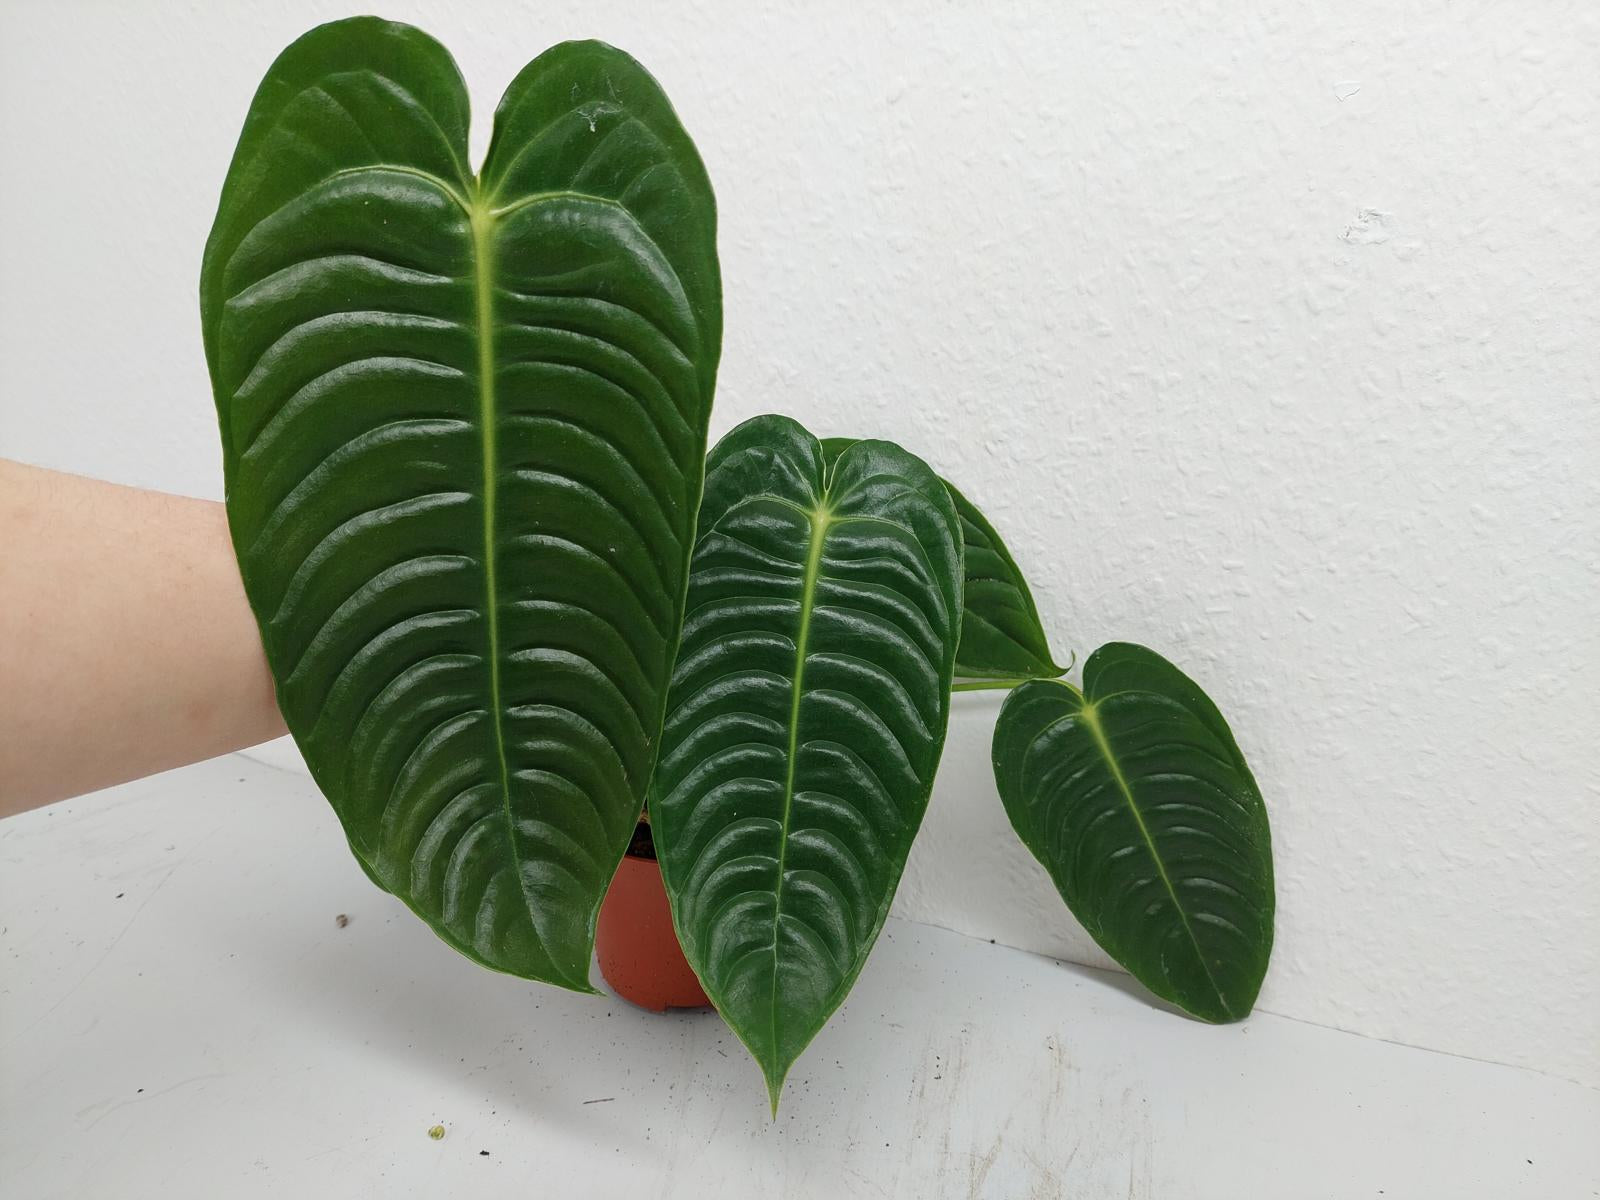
point(807, 715)
point(1001, 634)
point(463, 421)
point(1135, 797)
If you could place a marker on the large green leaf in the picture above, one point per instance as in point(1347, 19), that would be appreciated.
point(807, 715)
point(1001, 634)
point(463, 421)
point(1135, 797)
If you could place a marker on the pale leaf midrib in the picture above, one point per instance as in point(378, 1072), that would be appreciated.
point(819, 520)
point(1091, 721)
point(482, 223)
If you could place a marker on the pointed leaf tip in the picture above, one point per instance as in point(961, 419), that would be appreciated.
point(1001, 634)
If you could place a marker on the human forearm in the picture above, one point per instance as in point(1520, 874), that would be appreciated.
point(126, 643)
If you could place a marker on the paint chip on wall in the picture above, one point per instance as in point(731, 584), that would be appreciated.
point(1372, 227)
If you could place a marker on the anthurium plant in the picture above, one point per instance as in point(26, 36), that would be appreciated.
point(508, 599)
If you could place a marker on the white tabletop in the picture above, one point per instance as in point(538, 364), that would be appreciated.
point(182, 1015)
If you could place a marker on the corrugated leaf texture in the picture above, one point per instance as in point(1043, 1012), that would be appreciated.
point(1135, 797)
point(463, 420)
point(807, 716)
point(1001, 634)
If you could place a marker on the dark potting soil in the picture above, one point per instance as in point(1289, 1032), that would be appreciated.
point(641, 846)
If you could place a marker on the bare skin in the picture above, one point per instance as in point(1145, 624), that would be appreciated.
point(126, 643)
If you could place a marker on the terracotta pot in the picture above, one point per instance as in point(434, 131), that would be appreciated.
point(637, 946)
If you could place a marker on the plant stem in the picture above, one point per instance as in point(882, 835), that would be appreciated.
point(987, 685)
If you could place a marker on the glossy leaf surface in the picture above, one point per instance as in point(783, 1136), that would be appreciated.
point(463, 421)
point(1001, 634)
point(1135, 797)
point(807, 714)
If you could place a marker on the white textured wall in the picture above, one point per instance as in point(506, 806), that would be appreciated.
point(1271, 339)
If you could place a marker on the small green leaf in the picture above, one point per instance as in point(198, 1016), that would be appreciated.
point(463, 420)
point(1001, 634)
point(805, 723)
point(1135, 797)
